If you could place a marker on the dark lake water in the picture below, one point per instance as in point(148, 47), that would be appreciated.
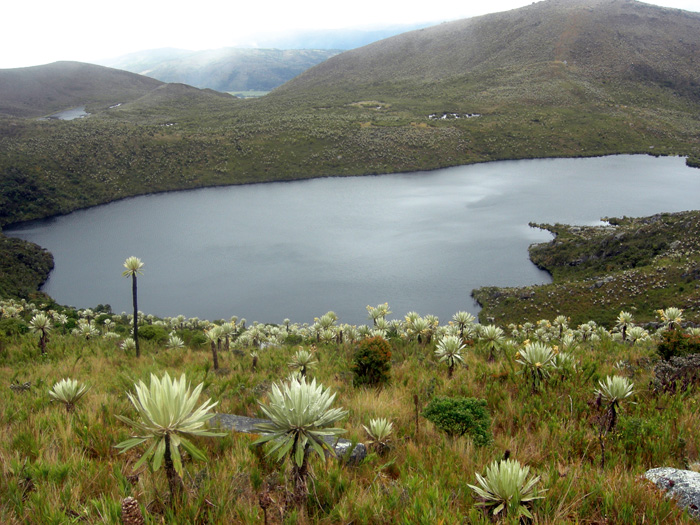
point(419, 241)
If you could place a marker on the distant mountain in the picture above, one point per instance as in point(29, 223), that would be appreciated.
point(42, 90)
point(334, 39)
point(552, 51)
point(227, 69)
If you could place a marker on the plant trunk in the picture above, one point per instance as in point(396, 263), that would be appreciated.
point(215, 355)
point(134, 295)
point(299, 475)
point(174, 480)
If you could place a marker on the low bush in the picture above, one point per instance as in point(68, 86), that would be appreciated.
point(154, 333)
point(12, 327)
point(677, 343)
point(372, 362)
point(677, 374)
point(460, 416)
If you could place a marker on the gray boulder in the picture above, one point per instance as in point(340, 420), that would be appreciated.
point(247, 425)
point(682, 485)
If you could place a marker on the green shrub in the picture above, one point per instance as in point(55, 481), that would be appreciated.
point(157, 334)
point(372, 362)
point(676, 343)
point(193, 339)
point(460, 416)
point(12, 327)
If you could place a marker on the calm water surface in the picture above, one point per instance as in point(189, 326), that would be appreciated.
point(419, 241)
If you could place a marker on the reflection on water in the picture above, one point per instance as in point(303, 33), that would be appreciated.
point(419, 241)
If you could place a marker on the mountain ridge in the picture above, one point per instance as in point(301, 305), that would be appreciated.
point(594, 34)
point(40, 90)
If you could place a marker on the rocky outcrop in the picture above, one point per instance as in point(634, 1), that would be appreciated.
point(682, 485)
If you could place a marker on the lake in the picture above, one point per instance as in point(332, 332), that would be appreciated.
point(419, 241)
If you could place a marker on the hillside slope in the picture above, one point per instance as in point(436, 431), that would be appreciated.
point(591, 40)
point(41, 90)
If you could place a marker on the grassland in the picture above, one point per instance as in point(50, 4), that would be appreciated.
point(60, 467)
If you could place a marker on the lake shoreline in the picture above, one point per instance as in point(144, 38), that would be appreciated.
point(15, 224)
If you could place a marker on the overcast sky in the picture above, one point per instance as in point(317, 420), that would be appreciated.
point(44, 31)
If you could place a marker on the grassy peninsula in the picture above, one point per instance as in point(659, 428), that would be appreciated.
point(634, 264)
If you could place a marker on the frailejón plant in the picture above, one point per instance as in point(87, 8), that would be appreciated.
point(133, 267)
point(41, 325)
point(302, 361)
point(612, 391)
point(449, 350)
point(68, 391)
point(537, 359)
point(507, 489)
point(379, 431)
point(166, 415)
point(301, 417)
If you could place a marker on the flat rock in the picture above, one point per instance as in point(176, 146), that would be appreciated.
point(682, 485)
point(247, 425)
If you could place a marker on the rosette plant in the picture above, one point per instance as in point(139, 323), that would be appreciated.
point(493, 338)
point(464, 321)
point(68, 391)
point(507, 489)
point(378, 312)
point(624, 322)
point(301, 419)
point(449, 350)
point(612, 391)
point(41, 325)
point(536, 358)
point(133, 267)
point(379, 431)
point(214, 336)
point(672, 317)
point(302, 360)
point(166, 415)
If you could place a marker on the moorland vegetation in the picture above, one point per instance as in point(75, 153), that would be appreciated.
point(563, 439)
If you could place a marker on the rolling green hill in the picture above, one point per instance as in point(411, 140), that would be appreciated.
point(41, 90)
